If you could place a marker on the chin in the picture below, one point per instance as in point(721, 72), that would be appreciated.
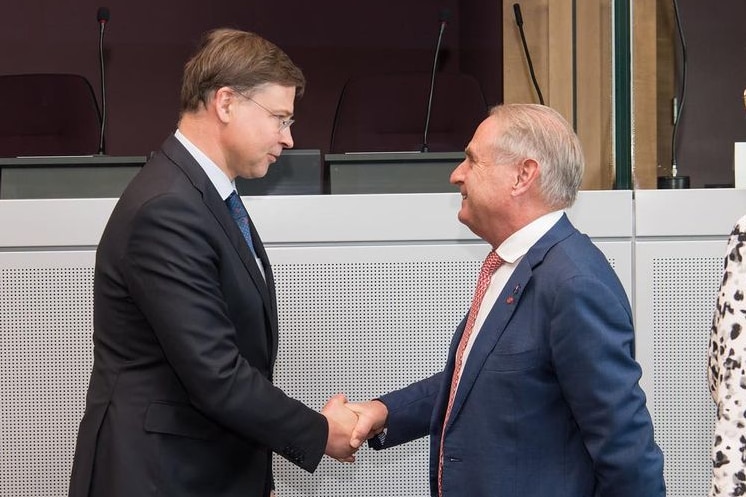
point(463, 217)
point(258, 170)
point(463, 211)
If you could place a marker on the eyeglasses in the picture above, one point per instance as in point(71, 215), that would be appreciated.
point(285, 122)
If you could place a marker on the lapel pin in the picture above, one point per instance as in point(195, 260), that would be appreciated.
point(510, 298)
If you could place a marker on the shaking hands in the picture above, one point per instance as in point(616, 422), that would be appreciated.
point(351, 424)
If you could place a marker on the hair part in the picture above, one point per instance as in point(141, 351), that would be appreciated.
point(532, 131)
point(235, 59)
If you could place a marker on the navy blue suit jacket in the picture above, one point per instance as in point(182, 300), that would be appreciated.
point(549, 401)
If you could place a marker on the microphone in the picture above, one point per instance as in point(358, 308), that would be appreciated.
point(103, 17)
point(443, 19)
point(519, 23)
point(518, 16)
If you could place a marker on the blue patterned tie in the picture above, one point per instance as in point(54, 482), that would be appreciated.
point(241, 216)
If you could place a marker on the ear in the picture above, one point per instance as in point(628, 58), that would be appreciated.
point(527, 172)
point(222, 102)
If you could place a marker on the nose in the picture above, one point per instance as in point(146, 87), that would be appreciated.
point(457, 176)
point(286, 138)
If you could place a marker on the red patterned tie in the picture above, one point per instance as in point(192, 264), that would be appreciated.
point(489, 266)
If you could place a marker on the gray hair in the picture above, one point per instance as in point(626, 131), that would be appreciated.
point(540, 133)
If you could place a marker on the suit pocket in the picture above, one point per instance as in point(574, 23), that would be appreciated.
point(180, 420)
point(515, 361)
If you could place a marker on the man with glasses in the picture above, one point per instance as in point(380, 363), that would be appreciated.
point(181, 400)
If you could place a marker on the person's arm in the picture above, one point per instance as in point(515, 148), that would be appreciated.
point(727, 352)
point(591, 340)
point(372, 418)
point(406, 414)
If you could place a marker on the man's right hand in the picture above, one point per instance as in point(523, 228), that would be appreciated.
point(372, 417)
point(341, 421)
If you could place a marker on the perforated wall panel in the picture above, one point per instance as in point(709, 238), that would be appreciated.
point(45, 330)
point(358, 320)
point(684, 290)
point(365, 329)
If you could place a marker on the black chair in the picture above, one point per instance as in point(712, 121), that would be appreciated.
point(48, 114)
point(387, 112)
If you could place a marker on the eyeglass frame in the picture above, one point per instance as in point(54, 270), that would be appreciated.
point(285, 123)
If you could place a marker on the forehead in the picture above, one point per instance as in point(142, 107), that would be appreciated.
point(274, 91)
point(482, 143)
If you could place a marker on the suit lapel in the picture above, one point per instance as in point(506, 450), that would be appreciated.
point(175, 151)
point(492, 329)
point(267, 282)
point(501, 313)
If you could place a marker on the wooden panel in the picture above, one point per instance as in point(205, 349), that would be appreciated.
point(666, 86)
point(549, 30)
point(594, 91)
point(516, 76)
point(644, 91)
point(560, 58)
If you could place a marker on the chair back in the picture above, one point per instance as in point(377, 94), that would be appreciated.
point(48, 114)
point(387, 112)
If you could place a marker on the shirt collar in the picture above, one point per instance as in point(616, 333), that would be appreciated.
point(217, 177)
point(519, 243)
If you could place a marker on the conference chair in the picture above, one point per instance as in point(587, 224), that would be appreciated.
point(387, 112)
point(47, 114)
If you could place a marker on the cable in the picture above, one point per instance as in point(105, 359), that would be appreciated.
point(679, 108)
point(519, 22)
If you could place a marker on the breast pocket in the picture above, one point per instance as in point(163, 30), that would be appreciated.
point(513, 361)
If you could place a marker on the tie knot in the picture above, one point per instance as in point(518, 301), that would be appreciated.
point(491, 263)
point(235, 205)
point(232, 199)
point(241, 217)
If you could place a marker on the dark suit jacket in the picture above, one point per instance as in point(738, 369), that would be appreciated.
point(181, 400)
point(549, 401)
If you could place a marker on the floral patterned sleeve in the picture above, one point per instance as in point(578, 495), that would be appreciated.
point(725, 372)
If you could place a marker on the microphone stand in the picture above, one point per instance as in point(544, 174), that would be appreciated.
point(519, 23)
point(103, 18)
point(425, 148)
point(674, 181)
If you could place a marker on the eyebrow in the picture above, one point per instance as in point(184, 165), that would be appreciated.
point(284, 114)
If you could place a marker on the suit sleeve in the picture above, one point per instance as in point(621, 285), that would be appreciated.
point(410, 411)
point(592, 338)
point(173, 271)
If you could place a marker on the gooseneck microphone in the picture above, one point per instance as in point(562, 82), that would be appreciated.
point(519, 22)
point(103, 17)
point(444, 15)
